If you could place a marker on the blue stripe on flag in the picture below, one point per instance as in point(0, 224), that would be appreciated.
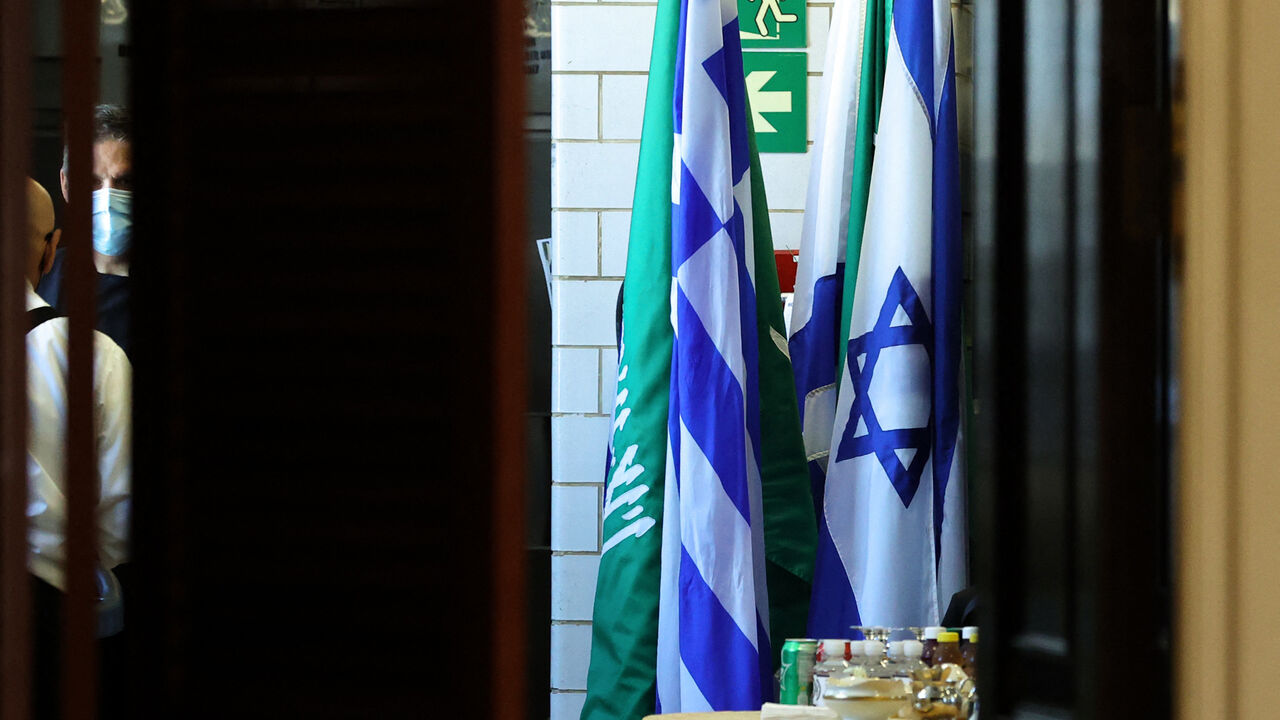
point(715, 69)
point(713, 647)
point(814, 347)
point(748, 329)
point(913, 24)
point(678, 95)
point(696, 222)
point(714, 418)
point(833, 609)
point(736, 97)
point(765, 655)
point(947, 273)
point(736, 227)
point(673, 404)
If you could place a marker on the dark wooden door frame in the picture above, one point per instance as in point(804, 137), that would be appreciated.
point(15, 141)
point(1107, 329)
point(322, 54)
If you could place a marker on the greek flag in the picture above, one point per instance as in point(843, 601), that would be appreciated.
point(713, 646)
point(892, 545)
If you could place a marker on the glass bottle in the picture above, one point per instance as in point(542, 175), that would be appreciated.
point(894, 655)
point(948, 650)
point(969, 653)
point(833, 661)
point(874, 659)
point(912, 665)
point(930, 643)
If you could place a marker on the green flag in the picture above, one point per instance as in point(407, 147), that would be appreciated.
point(624, 632)
point(874, 46)
point(790, 530)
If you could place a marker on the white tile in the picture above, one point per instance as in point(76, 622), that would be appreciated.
point(568, 706)
point(579, 446)
point(786, 178)
point(575, 518)
point(570, 656)
point(608, 379)
point(573, 586)
point(584, 312)
point(786, 230)
point(615, 228)
point(575, 380)
point(622, 106)
point(603, 37)
point(574, 242)
point(819, 26)
point(593, 175)
point(575, 107)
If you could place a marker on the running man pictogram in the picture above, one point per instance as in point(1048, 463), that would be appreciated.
point(772, 6)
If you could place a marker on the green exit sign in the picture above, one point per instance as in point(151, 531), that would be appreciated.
point(772, 23)
point(777, 89)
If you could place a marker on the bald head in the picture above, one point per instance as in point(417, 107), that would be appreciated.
point(39, 209)
point(42, 239)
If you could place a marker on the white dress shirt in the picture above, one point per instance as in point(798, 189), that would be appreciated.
point(46, 453)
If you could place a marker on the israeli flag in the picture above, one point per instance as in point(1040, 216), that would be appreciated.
point(815, 314)
point(713, 647)
point(891, 547)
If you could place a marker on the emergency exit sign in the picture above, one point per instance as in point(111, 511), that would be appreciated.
point(777, 89)
point(772, 23)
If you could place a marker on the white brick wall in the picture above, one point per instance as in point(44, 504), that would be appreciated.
point(600, 57)
point(592, 174)
point(601, 38)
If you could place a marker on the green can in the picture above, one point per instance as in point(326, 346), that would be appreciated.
point(795, 682)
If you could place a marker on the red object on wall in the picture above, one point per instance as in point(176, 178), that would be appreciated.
point(786, 261)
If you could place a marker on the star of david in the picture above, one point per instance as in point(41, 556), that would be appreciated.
point(863, 435)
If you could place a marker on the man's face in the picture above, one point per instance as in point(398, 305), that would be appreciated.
point(112, 165)
point(112, 168)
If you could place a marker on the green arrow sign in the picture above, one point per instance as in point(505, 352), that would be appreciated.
point(772, 23)
point(777, 86)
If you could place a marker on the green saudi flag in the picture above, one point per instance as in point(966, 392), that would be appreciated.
point(624, 630)
point(875, 44)
point(621, 677)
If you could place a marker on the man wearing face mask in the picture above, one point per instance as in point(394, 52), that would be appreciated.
point(47, 349)
point(112, 224)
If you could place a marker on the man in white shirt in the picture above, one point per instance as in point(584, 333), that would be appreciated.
point(47, 350)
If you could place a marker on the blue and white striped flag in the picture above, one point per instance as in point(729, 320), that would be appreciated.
point(713, 646)
point(894, 547)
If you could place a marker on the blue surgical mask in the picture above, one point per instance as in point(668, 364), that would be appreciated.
point(112, 221)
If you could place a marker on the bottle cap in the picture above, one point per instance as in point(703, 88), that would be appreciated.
point(974, 637)
point(895, 649)
point(968, 631)
point(835, 650)
point(873, 649)
point(931, 633)
point(913, 648)
point(948, 637)
point(855, 648)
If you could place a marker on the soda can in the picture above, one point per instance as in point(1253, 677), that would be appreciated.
point(796, 681)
